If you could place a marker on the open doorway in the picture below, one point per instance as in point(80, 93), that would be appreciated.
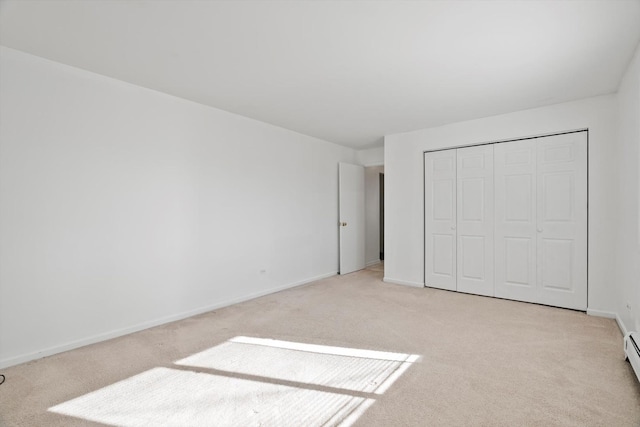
point(374, 214)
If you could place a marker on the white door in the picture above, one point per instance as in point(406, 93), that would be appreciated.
point(351, 206)
point(440, 219)
point(475, 220)
point(541, 220)
point(515, 220)
point(562, 220)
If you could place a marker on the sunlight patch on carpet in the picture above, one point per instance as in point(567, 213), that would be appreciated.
point(171, 397)
point(339, 367)
point(251, 382)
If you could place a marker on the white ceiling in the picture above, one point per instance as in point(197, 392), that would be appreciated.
point(344, 71)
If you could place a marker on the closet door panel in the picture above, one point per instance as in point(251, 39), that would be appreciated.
point(440, 219)
point(475, 220)
point(515, 226)
point(562, 220)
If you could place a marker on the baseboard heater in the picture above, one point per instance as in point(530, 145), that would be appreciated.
point(631, 350)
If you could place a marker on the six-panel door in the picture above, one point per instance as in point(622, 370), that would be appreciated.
point(562, 220)
point(351, 219)
point(440, 219)
point(475, 220)
point(515, 236)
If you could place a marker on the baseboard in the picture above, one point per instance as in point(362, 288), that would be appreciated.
point(609, 315)
point(12, 361)
point(374, 262)
point(620, 323)
point(403, 282)
point(600, 313)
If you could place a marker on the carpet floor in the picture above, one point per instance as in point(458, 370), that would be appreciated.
point(347, 350)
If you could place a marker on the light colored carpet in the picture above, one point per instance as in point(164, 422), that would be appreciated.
point(348, 349)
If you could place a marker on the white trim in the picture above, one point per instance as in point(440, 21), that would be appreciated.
point(12, 361)
point(403, 282)
point(609, 315)
point(374, 262)
point(620, 323)
point(500, 141)
point(600, 313)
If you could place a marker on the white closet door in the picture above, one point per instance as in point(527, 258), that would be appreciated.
point(541, 220)
point(515, 220)
point(475, 220)
point(562, 220)
point(440, 219)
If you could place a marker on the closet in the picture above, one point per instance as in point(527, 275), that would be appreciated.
point(509, 220)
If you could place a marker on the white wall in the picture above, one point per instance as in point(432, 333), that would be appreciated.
point(372, 213)
point(627, 266)
point(404, 229)
point(122, 207)
point(371, 156)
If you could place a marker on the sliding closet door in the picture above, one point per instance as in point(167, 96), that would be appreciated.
point(515, 220)
point(475, 220)
point(541, 220)
point(562, 220)
point(440, 219)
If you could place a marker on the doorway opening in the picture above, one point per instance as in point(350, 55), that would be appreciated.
point(374, 214)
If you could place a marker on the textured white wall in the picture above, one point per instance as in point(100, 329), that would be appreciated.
point(627, 266)
point(122, 207)
point(404, 198)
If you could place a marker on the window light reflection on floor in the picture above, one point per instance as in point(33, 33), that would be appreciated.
point(171, 397)
point(339, 367)
point(248, 381)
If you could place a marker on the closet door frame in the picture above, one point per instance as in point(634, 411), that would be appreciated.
point(585, 274)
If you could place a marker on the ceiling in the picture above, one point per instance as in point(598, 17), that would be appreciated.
point(345, 71)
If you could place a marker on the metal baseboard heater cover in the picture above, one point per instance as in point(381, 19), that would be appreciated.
point(632, 351)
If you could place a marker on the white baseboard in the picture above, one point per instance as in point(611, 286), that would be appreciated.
point(620, 323)
point(600, 313)
point(609, 315)
point(12, 361)
point(403, 282)
point(374, 262)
